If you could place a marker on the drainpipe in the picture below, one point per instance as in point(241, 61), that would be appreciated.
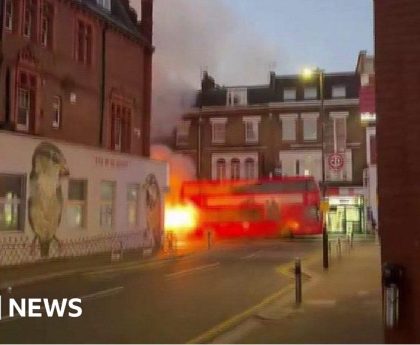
point(102, 87)
point(199, 148)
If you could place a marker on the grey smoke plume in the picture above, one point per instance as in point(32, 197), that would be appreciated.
point(195, 35)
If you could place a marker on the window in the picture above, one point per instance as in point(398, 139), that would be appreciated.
point(304, 162)
point(47, 21)
point(218, 130)
point(104, 4)
point(237, 97)
point(249, 168)
point(288, 126)
point(183, 132)
point(338, 91)
point(27, 18)
point(310, 92)
point(84, 43)
point(24, 106)
point(12, 201)
point(77, 198)
point(8, 14)
point(120, 127)
point(251, 128)
point(56, 112)
point(107, 212)
point(235, 169)
point(25, 99)
point(310, 126)
point(221, 169)
point(289, 94)
point(297, 167)
point(133, 191)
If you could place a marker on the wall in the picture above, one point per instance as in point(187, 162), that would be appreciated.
point(397, 50)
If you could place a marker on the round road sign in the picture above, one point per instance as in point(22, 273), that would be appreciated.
point(336, 161)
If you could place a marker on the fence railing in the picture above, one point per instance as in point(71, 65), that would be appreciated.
point(16, 250)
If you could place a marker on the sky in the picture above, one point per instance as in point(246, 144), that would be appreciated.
point(240, 41)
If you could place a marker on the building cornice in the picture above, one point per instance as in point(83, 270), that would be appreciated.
point(351, 102)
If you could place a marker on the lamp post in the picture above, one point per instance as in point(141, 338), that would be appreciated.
point(308, 74)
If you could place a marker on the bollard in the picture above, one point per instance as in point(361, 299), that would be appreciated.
point(209, 239)
point(298, 282)
point(339, 247)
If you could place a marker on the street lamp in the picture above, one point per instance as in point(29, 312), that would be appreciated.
point(309, 74)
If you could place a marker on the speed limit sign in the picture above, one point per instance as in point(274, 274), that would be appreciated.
point(336, 161)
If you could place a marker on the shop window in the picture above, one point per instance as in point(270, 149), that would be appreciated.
point(133, 191)
point(12, 201)
point(77, 199)
point(107, 205)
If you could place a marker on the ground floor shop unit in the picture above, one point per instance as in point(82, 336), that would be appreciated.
point(64, 200)
point(347, 210)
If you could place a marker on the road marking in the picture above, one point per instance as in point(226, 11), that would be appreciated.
point(191, 270)
point(322, 302)
point(225, 325)
point(125, 268)
point(91, 296)
point(235, 320)
point(103, 293)
point(249, 256)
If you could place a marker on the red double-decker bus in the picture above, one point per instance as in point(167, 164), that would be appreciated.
point(284, 206)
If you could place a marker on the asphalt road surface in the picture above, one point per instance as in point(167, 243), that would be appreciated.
point(171, 301)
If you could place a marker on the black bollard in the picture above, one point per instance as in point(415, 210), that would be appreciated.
point(298, 282)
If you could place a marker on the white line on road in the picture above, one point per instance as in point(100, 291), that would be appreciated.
point(249, 256)
point(94, 295)
point(322, 302)
point(103, 293)
point(191, 270)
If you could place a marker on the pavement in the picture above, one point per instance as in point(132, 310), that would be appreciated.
point(234, 293)
point(21, 275)
point(340, 305)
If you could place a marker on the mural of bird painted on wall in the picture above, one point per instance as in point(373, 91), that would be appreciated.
point(45, 203)
point(153, 209)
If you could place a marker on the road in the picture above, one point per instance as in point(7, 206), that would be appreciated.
point(162, 302)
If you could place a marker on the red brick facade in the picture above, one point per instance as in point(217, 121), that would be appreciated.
point(397, 32)
point(82, 60)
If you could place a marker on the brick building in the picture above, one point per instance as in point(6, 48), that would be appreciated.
point(397, 51)
point(79, 71)
point(276, 129)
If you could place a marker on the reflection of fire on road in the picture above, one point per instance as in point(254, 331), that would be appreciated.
point(178, 218)
point(46, 197)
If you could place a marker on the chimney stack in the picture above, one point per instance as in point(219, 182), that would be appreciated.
point(147, 19)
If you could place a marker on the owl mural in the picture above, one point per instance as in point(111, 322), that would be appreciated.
point(153, 209)
point(45, 203)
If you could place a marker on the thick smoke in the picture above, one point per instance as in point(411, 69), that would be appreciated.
point(195, 35)
point(181, 169)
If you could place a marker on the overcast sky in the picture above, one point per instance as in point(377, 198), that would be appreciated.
point(240, 41)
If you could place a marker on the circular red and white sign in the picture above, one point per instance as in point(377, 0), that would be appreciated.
point(336, 161)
